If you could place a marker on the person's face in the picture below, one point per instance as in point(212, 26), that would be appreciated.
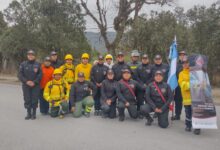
point(47, 63)
point(158, 61)
point(120, 58)
point(186, 65)
point(85, 61)
point(145, 60)
point(81, 79)
point(109, 61)
point(126, 76)
point(100, 61)
point(135, 58)
point(181, 56)
point(57, 76)
point(31, 57)
point(53, 57)
point(158, 78)
point(69, 61)
point(110, 76)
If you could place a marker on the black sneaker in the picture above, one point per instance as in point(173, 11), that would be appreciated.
point(197, 131)
point(175, 118)
point(149, 122)
point(188, 129)
point(28, 115)
point(121, 118)
point(96, 113)
point(87, 114)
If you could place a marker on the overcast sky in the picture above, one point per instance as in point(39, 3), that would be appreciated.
point(91, 26)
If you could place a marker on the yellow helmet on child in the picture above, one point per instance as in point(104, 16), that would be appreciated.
point(57, 71)
point(85, 55)
point(109, 56)
point(68, 56)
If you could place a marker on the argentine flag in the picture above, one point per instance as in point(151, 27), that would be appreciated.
point(173, 56)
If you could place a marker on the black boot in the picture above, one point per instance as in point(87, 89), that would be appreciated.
point(28, 114)
point(121, 118)
point(197, 131)
point(33, 117)
point(149, 120)
point(175, 118)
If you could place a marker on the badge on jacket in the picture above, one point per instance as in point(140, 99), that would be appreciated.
point(35, 70)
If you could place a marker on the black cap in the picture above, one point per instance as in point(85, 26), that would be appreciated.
point(101, 57)
point(126, 71)
point(110, 71)
point(182, 52)
point(81, 74)
point(158, 72)
point(32, 52)
point(47, 58)
point(145, 56)
point(120, 54)
point(157, 56)
point(53, 53)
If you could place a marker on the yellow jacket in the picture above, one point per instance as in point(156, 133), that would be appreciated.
point(86, 69)
point(68, 73)
point(184, 82)
point(56, 91)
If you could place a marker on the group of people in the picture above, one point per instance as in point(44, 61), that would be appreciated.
point(138, 86)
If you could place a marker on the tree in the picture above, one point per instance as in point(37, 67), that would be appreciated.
point(125, 9)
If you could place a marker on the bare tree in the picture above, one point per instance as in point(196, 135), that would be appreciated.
point(126, 8)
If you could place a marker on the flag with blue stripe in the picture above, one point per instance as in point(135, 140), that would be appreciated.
point(173, 56)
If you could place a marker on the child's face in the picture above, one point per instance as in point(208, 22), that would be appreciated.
point(186, 65)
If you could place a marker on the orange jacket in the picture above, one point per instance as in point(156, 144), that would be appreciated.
point(47, 73)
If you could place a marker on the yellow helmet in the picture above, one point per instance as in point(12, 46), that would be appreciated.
point(109, 56)
point(85, 55)
point(68, 56)
point(57, 71)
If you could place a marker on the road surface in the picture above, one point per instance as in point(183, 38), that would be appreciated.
point(92, 133)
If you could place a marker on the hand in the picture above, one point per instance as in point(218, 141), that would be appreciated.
point(127, 104)
point(157, 110)
point(108, 102)
point(72, 109)
point(52, 102)
point(30, 83)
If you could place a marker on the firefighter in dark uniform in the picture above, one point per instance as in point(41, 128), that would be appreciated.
point(159, 65)
point(30, 75)
point(98, 74)
point(55, 62)
point(144, 77)
point(135, 55)
point(126, 93)
point(158, 97)
point(178, 96)
point(119, 66)
point(109, 95)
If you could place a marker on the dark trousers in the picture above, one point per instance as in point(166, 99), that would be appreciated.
point(97, 98)
point(31, 96)
point(178, 101)
point(132, 110)
point(109, 110)
point(140, 99)
point(188, 112)
point(44, 105)
point(163, 121)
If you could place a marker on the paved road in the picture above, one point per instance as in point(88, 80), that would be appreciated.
point(92, 133)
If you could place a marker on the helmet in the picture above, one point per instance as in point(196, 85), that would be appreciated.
point(57, 71)
point(85, 55)
point(109, 56)
point(68, 56)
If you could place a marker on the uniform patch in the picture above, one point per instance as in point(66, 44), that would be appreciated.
point(164, 70)
point(163, 90)
point(148, 71)
point(35, 70)
point(132, 86)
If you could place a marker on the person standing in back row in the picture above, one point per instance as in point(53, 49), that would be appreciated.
point(30, 75)
point(135, 55)
point(55, 62)
point(98, 74)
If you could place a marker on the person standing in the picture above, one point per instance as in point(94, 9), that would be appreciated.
point(109, 95)
point(30, 75)
point(109, 61)
point(56, 92)
point(55, 62)
point(135, 55)
point(184, 82)
point(47, 75)
point(98, 74)
point(144, 77)
point(158, 97)
point(85, 67)
point(81, 96)
point(119, 66)
point(126, 93)
point(159, 65)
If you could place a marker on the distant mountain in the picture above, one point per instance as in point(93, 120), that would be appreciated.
point(96, 41)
